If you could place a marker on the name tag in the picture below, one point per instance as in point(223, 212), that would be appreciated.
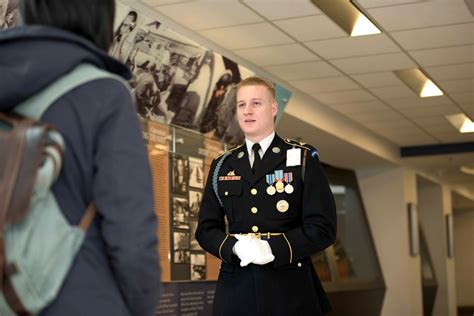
point(229, 178)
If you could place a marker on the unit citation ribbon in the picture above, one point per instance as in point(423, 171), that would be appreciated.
point(280, 187)
point(288, 179)
point(270, 180)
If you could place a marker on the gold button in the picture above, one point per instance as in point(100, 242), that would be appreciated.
point(299, 264)
point(254, 210)
point(226, 193)
point(255, 229)
point(253, 191)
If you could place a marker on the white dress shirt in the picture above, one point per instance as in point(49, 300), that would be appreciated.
point(264, 144)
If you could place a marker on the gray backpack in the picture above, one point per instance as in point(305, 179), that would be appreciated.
point(37, 244)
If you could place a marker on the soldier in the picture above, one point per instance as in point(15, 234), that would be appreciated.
point(279, 209)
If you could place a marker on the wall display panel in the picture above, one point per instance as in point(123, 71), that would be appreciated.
point(178, 81)
point(8, 13)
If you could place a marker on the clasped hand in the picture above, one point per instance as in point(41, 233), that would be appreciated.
point(251, 250)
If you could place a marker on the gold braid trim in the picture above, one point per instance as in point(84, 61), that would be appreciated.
point(232, 149)
point(296, 143)
point(289, 245)
point(220, 248)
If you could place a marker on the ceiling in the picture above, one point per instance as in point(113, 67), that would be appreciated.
point(298, 44)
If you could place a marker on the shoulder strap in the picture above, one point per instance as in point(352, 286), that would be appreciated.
point(35, 106)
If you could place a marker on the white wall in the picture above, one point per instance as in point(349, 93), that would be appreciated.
point(434, 202)
point(385, 194)
point(464, 254)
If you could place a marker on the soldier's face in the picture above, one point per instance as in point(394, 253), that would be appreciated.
point(256, 110)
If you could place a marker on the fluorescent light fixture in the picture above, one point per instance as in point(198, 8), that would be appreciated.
point(416, 80)
point(461, 122)
point(345, 14)
point(467, 170)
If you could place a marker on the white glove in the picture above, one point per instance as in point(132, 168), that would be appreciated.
point(250, 250)
point(265, 254)
point(246, 249)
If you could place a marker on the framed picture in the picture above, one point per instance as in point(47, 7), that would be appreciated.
point(450, 234)
point(413, 229)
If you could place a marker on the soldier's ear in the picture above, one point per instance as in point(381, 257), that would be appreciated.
point(274, 108)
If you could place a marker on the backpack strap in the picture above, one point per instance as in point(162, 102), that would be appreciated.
point(38, 104)
point(35, 106)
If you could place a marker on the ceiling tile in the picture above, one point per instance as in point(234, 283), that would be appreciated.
point(394, 126)
point(311, 28)
point(416, 102)
point(383, 3)
point(313, 86)
point(277, 55)
point(456, 137)
point(353, 46)
point(393, 92)
point(359, 107)
point(318, 69)
point(379, 79)
point(369, 64)
point(155, 3)
point(463, 98)
point(206, 14)
point(455, 86)
point(424, 14)
point(436, 36)
point(448, 55)
point(434, 122)
point(283, 9)
point(429, 111)
point(378, 116)
point(247, 36)
point(343, 97)
point(451, 72)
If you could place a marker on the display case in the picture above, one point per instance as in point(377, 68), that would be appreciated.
point(350, 269)
point(428, 276)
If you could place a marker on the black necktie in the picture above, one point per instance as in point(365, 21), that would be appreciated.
point(257, 160)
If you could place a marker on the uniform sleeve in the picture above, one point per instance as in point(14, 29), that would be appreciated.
point(124, 198)
point(211, 232)
point(318, 229)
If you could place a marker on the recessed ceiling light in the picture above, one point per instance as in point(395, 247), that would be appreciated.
point(345, 14)
point(461, 122)
point(416, 80)
point(467, 170)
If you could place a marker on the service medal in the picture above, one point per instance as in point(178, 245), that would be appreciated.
point(288, 179)
point(270, 178)
point(280, 187)
point(282, 206)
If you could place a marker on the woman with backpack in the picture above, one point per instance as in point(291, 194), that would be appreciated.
point(116, 270)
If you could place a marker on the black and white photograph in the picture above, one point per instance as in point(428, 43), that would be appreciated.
point(181, 247)
point(196, 173)
point(163, 64)
point(181, 256)
point(195, 198)
point(198, 266)
point(180, 213)
point(194, 243)
point(8, 13)
point(124, 36)
point(180, 174)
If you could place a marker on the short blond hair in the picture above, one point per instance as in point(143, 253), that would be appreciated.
point(257, 81)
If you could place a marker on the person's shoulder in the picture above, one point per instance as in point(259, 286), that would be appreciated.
point(311, 150)
point(230, 151)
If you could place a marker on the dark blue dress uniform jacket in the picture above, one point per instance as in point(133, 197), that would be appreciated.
point(116, 271)
point(289, 284)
